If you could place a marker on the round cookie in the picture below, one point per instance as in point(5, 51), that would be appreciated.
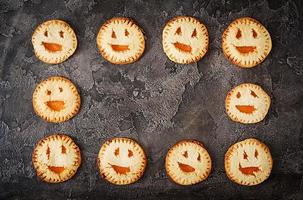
point(185, 39)
point(247, 103)
point(56, 158)
point(188, 162)
point(56, 99)
point(121, 41)
point(246, 42)
point(121, 161)
point(248, 162)
point(54, 41)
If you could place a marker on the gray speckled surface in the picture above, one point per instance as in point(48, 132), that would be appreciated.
point(154, 100)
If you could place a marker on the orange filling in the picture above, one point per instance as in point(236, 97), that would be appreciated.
point(246, 49)
point(248, 170)
point(53, 47)
point(117, 47)
point(57, 170)
point(183, 47)
point(246, 109)
point(186, 168)
point(120, 170)
point(55, 105)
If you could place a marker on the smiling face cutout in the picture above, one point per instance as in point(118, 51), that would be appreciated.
point(188, 162)
point(185, 39)
point(56, 158)
point(56, 99)
point(121, 161)
point(120, 41)
point(247, 103)
point(54, 41)
point(246, 42)
point(248, 162)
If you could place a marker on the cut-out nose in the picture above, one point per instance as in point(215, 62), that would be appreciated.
point(245, 49)
point(57, 170)
point(119, 48)
point(183, 47)
point(246, 108)
point(55, 105)
point(186, 168)
point(120, 170)
point(52, 47)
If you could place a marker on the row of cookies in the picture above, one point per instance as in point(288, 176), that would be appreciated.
point(57, 99)
point(122, 161)
point(245, 42)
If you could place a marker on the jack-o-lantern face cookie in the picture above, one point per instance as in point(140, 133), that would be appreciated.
point(188, 162)
point(121, 161)
point(185, 39)
point(247, 103)
point(56, 158)
point(54, 41)
point(248, 162)
point(56, 99)
point(246, 42)
point(120, 41)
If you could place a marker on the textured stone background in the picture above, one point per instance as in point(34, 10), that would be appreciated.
point(154, 100)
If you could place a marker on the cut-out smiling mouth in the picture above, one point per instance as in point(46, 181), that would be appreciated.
point(118, 48)
point(52, 47)
point(186, 168)
point(182, 47)
point(246, 109)
point(249, 170)
point(245, 49)
point(55, 105)
point(120, 170)
point(57, 170)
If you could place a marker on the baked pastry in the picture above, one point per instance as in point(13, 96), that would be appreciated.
point(54, 41)
point(121, 161)
point(121, 41)
point(56, 99)
point(185, 39)
point(246, 42)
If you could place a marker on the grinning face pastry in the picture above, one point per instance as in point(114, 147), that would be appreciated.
point(247, 103)
point(121, 161)
point(248, 162)
point(56, 158)
point(246, 42)
point(185, 39)
point(188, 162)
point(54, 41)
point(120, 41)
point(56, 99)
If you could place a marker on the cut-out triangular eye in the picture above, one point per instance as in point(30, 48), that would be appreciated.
point(48, 152)
point(45, 33)
point(60, 89)
point(239, 34)
point(178, 31)
point(126, 33)
point(130, 153)
point(116, 152)
point(245, 156)
point(252, 93)
point(48, 92)
point(254, 33)
point(63, 149)
point(194, 34)
point(114, 34)
point(61, 33)
point(256, 154)
point(238, 95)
point(185, 154)
point(199, 157)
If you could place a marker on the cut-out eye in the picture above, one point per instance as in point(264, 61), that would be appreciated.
point(130, 153)
point(238, 95)
point(45, 33)
point(199, 157)
point(48, 92)
point(194, 34)
point(63, 149)
point(178, 31)
point(254, 33)
point(256, 154)
point(238, 34)
point(185, 154)
point(61, 33)
point(116, 152)
point(60, 89)
point(114, 34)
point(245, 156)
point(126, 33)
point(48, 152)
point(252, 93)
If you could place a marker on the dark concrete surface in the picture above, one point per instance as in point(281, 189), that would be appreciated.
point(154, 100)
